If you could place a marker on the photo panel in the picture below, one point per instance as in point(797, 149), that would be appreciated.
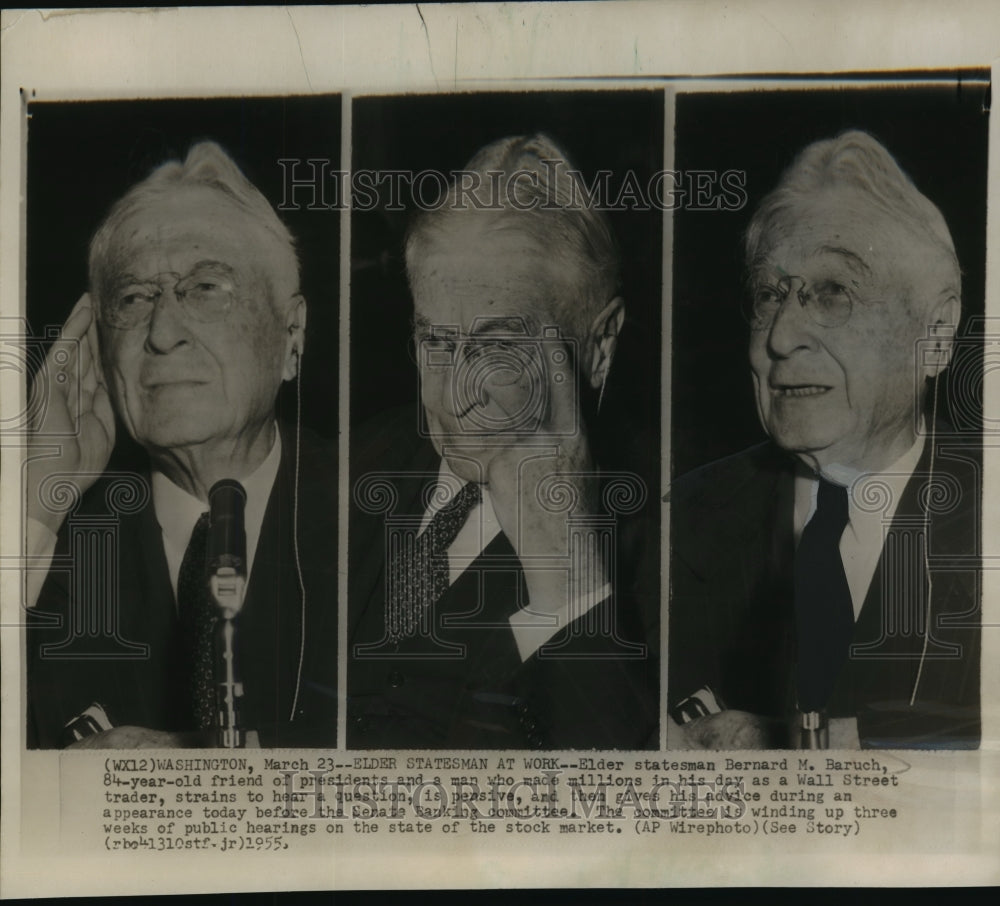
point(829, 339)
point(505, 339)
point(202, 349)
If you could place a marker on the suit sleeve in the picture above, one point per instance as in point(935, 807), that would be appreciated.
point(593, 686)
point(56, 691)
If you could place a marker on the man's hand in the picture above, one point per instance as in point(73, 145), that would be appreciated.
point(76, 416)
point(742, 730)
point(725, 730)
point(138, 738)
point(530, 480)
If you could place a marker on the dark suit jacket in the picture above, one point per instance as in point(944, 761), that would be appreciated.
point(138, 676)
point(732, 623)
point(467, 687)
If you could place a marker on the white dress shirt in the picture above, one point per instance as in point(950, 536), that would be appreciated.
point(872, 500)
point(531, 629)
point(177, 511)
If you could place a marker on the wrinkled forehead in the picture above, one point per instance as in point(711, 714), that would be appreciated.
point(835, 229)
point(173, 231)
point(464, 274)
point(171, 220)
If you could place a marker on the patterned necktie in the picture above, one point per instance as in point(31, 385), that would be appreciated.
point(418, 565)
point(198, 614)
point(824, 615)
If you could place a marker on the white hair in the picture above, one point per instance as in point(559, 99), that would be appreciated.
point(206, 166)
point(551, 206)
point(856, 161)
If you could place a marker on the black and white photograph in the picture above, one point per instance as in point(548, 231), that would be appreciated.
point(182, 467)
point(826, 521)
point(505, 365)
point(499, 448)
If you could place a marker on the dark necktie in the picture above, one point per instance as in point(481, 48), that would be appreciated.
point(824, 615)
point(198, 614)
point(418, 566)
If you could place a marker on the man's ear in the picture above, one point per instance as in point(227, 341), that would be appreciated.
point(602, 340)
point(295, 327)
point(943, 324)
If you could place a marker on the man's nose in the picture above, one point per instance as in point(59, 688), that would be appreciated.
point(168, 323)
point(792, 327)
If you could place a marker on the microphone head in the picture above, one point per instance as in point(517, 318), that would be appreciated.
point(227, 539)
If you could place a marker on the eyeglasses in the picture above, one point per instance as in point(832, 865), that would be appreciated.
point(503, 358)
point(206, 294)
point(827, 302)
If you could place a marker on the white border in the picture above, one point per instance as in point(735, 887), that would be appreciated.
point(269, 51)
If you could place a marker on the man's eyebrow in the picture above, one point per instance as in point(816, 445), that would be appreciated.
point(423, 326)
point(518, 325)
point(123, 277)
point(852, 258)
point(512, 324)
point(212, 263)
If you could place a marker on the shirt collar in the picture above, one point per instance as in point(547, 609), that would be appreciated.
point(177, 511)
point(882, 489)
point(874, 496)
point(258, 486)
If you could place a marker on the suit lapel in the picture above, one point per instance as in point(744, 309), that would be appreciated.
point(271, 635)
point(270, 625)
point(474, 611)
point(150, 615)
point(889, 638)
point(368, 533)
point(762, 606)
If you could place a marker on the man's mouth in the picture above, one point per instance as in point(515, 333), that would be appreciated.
point(784, 391)
point(161, 383)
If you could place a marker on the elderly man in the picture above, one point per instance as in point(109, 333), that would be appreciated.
point(491, 604)
point(192, 322)
point(823, 581)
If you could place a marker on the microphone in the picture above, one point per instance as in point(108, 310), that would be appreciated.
point(227, 546)
point(227, 576)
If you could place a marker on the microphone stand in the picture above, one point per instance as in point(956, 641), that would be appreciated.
point(227, 584)
point(810, 730)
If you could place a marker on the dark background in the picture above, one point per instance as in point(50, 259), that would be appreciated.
point(938, 135)
point(609, 130)
point(617, 131)
point(83, 156)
